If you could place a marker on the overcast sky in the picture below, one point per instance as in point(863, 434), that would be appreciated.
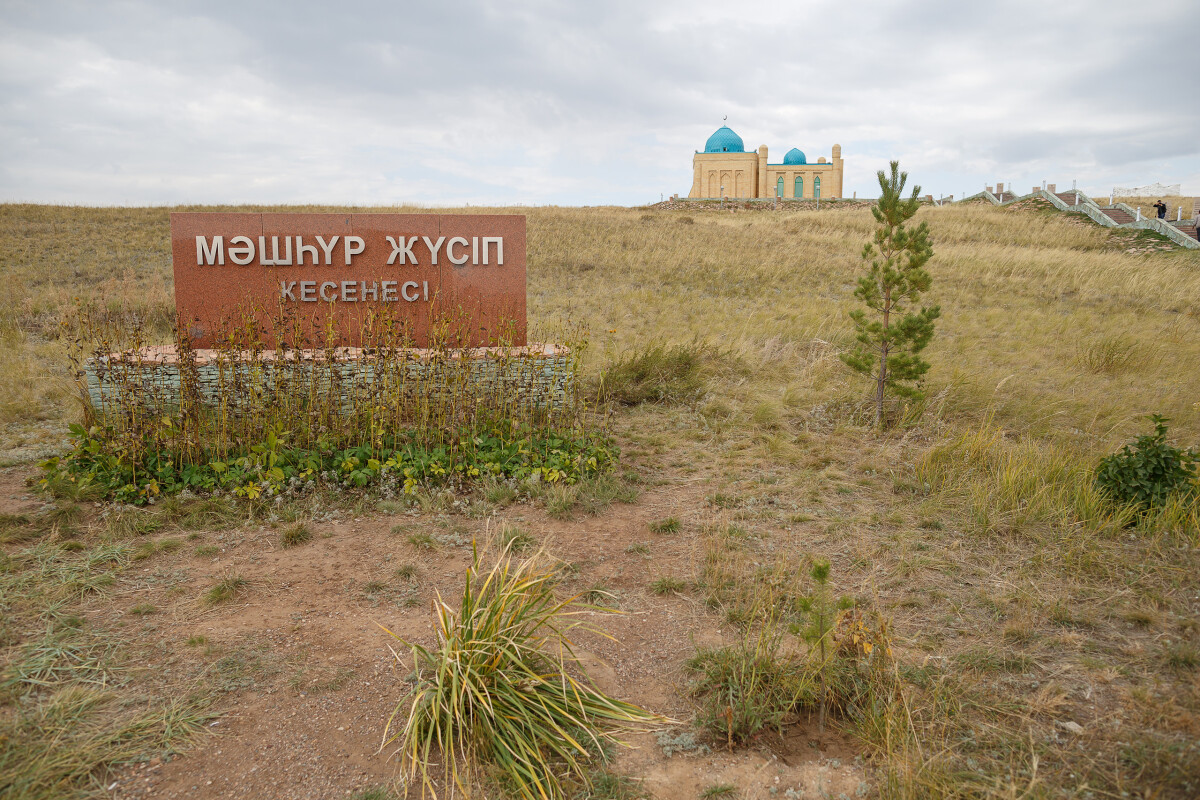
point(582, 103)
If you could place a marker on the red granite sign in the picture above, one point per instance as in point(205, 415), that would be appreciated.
point(464, 271)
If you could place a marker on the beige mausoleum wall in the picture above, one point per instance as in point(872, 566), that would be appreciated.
point(737, 172)
point(831, 183)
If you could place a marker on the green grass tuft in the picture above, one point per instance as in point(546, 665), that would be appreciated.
point(656, 373)
point(668, 525)
point(423, 541)
point(295, 535)
point(506, 642)
point(225, 590)
point(668, 585)
point(517, 540)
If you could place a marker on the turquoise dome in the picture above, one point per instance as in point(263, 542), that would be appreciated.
point(794, 156)
point(724, 141)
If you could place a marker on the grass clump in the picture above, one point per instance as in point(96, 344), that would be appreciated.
point(147, 549)
point(658, 373)
point(517, 540)
point(668, 585)
point(423, 541)
point(498, 492)
point(59, 658)
point(747, 687)
point(225, 590)
point(64, 743)
point(607, 785)
point(498, 690)
point(668, 525)
point(1109, 355)
point(376, 793)
point(295, 535)
point(590, 496)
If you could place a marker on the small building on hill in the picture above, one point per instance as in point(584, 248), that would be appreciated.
point(725, 169)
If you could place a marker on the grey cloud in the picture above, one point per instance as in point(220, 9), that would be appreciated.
point(564, 102)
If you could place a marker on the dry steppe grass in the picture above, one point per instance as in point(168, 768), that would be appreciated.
point(1048, 649)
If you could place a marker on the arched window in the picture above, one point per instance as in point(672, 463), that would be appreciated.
point(817, 187)
point(779, 187)
point(799, 187)
point(712, 184)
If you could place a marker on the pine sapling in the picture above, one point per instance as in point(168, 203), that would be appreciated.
point(889, 340)
point(822, 628)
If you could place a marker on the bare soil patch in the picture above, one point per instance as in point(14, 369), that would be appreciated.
point(307, 681)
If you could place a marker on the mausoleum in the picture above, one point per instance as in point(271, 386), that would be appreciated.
point(725, 169)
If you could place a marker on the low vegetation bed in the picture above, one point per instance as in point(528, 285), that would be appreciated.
point(277, 424)
point(97, 466)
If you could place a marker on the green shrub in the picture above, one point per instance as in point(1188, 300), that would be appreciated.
point(1149, 471)
point(656, 374)
point(498, 691)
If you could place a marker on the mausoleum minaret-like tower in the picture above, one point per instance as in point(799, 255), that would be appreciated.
point(837, 170)
point(762, 171)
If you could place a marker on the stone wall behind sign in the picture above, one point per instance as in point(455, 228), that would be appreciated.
point(340, 285)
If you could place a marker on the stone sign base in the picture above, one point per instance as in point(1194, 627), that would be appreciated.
point(535, 375)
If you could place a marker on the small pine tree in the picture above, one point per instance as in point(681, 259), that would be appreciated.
point(888, 343)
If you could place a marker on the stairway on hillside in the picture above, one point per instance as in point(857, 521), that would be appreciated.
point(1070, 198)
point(1078, 200)
point(1117, 215)
point(1187, 228)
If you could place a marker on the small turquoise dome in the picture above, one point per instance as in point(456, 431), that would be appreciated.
point(794, 156)
point(724, 141)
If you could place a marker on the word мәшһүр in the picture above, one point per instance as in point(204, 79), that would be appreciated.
point(241, 250)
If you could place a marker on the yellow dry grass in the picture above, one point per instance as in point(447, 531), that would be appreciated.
point(1010, 581)
point(1176, 206)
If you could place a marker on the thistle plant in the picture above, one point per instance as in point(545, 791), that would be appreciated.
point(889, 336)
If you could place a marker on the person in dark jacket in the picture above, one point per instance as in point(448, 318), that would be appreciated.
point(1162, 209)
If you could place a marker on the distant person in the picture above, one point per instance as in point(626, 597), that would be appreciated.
point(1161, 207)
